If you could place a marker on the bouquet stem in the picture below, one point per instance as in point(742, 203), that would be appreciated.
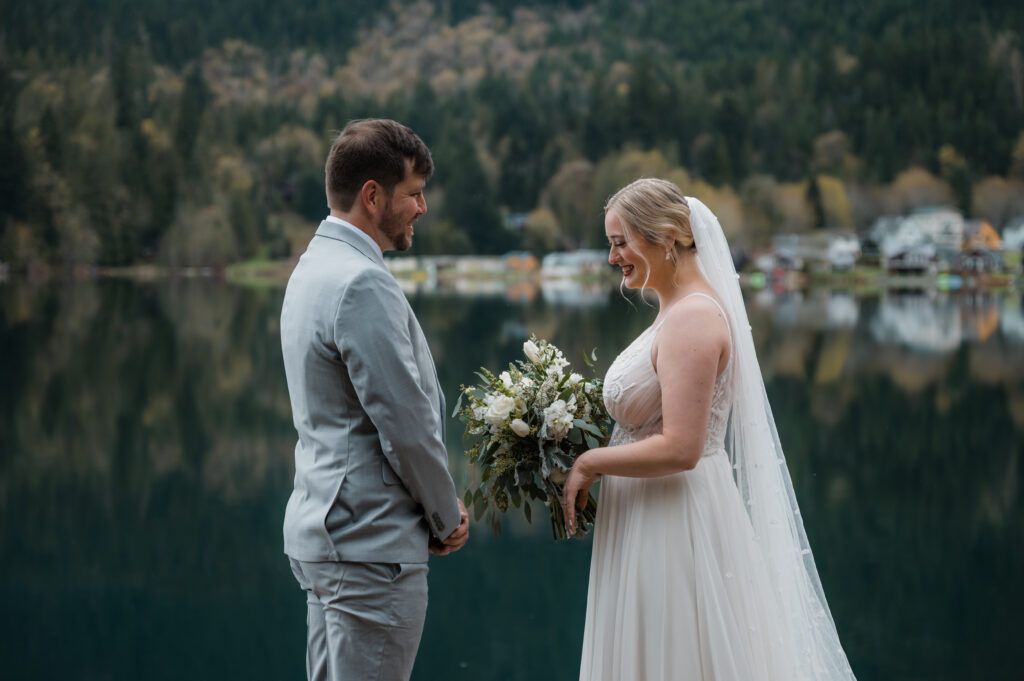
point(584, 517)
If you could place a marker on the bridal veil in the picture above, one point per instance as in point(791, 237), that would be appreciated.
point(762, 476)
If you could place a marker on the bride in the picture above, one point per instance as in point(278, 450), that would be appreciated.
point(701, 569)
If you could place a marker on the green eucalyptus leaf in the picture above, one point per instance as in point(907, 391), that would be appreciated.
point(528, 512)
point(478, 508)
point(589, 427)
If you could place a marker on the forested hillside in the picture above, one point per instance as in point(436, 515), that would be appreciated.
point(194, 133)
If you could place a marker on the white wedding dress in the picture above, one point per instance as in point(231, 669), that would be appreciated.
point(678, 583)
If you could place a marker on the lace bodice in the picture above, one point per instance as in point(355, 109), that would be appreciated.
point(632, 393)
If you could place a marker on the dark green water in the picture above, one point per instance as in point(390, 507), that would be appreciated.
point(145, 460)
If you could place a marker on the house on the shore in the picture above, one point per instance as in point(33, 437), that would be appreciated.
point(919, 258)
point(521, 261)
point(981, 248)
point(568, 264)
point(1013, 235)
point(828, 249)
point(980, 235)
point(922, 241)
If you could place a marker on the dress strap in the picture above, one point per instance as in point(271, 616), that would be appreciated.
point(728, 326)
point(720, 309)
point(654, 327)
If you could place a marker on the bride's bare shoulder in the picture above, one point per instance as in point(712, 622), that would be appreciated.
point(696, 318)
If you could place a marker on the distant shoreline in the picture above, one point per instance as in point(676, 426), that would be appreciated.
point(274, 274)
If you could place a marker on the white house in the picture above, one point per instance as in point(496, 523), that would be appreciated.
point(574, 263)
point(940, 226)
point(1013, 235)
point(836, 248)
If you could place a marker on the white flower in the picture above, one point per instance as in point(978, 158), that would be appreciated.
point(558, 418)
point(527, 382)
point(531, 351)
point(520, 427)
point(520, 407)
point(574, 378)
point(505, 379)
point(498, 409)
point(555, 370)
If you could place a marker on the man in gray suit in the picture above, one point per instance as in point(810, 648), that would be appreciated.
point(372, 489)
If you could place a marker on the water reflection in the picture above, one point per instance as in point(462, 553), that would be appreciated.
point(145, 457)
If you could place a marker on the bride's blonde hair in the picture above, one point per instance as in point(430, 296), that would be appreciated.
point(656, 211)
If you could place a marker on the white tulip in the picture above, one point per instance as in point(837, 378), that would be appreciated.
point(520, 427)
point(531, 351)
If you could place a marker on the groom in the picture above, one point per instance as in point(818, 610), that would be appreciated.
point(372, 488)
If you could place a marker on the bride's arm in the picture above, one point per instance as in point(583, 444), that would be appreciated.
point(689, 349)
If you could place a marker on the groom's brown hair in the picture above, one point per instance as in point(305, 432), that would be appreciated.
point(372, 149)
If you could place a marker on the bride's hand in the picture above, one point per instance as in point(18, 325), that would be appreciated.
point(576, 489)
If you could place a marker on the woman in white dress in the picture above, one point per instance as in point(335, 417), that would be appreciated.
point(700, 569)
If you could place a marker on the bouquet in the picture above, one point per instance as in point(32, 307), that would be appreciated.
point(524, 429)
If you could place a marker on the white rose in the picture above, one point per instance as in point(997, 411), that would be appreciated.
point(505, 379)
point(531, 351)
point(520, 427)
point(498, 409)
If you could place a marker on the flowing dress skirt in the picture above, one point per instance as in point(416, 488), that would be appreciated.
point(678, 588)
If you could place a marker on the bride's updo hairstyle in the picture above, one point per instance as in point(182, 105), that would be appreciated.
point(656, 211)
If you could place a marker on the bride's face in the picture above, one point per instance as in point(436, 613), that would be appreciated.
point(633, 255)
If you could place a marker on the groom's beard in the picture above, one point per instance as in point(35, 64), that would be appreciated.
point(394, 229)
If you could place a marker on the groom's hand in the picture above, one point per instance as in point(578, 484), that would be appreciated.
point(457, 539)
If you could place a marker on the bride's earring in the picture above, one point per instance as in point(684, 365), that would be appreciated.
point(667, 255)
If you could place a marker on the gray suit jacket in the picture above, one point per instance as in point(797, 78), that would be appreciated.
point(371, 468)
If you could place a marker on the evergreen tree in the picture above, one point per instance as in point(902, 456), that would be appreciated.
point(814, 198)
point(14, 169)
point(190, 114)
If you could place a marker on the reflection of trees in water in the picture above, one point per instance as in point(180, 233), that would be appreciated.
point(914, 519)
point(138, 409)
point(147, 441)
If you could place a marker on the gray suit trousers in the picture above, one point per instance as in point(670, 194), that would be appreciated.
point(364, 620)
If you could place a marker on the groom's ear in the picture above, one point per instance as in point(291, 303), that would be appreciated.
point(371, 194)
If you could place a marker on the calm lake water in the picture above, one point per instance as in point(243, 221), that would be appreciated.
point(145, 461)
